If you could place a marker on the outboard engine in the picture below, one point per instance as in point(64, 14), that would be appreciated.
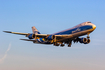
point(88, 41)
point(84, 40)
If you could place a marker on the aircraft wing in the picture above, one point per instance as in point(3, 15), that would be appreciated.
point(16, 33)
point(59, 38)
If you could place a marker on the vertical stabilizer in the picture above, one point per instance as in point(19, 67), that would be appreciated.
point(35, 31)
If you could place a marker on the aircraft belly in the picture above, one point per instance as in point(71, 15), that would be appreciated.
point(77, 34)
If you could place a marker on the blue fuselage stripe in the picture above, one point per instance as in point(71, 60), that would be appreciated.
point(75, 30)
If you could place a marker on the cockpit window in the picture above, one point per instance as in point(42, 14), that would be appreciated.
point(88, 22)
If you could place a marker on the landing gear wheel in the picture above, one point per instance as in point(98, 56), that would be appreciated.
point(62, 45)
point(56, 44)
point(69, 45)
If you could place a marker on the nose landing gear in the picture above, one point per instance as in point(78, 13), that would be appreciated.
point(88, 35)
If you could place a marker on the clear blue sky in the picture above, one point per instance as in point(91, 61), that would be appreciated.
point(50, 16)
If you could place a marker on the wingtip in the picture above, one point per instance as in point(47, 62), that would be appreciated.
point(7, 31)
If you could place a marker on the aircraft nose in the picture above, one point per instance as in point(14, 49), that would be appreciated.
point(94, 26)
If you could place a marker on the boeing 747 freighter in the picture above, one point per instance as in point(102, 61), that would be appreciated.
point(61, 38)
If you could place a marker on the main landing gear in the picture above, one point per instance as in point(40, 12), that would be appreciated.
point(69, 45)
point(61, 44)
point(57, 44)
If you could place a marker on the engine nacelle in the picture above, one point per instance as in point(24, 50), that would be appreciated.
point(51, 37)
point(31, 36)
point(84, 40)
point(88, 41)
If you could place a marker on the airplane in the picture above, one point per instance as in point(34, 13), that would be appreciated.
point(63, 37)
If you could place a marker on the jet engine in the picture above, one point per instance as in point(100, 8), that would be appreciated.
point(31, 36)
point(51, 37)
point(84, 40)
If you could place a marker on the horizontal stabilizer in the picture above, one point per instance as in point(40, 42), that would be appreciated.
point(27, 40)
